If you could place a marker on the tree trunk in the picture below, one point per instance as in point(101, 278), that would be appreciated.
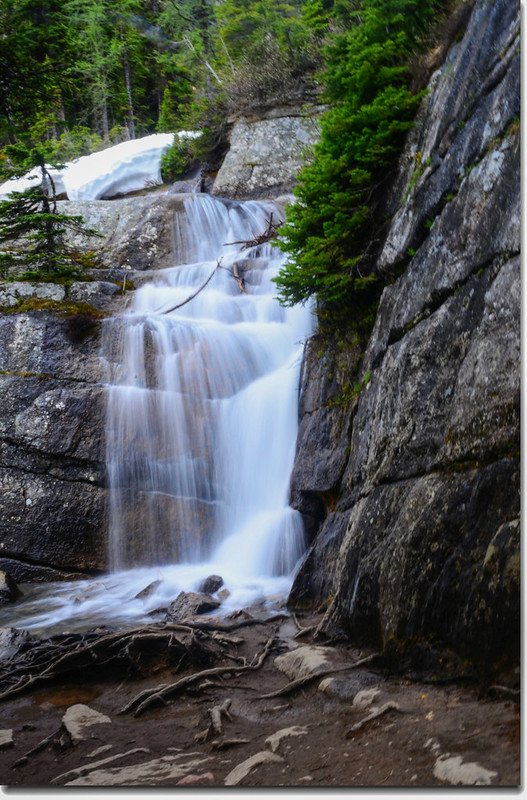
point(128, 85)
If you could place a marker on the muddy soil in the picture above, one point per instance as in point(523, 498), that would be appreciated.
point(423, 734)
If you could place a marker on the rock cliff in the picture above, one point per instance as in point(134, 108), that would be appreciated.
point(412, 476)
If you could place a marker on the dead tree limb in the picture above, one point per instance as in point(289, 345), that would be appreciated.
point(195, 294)
point(271, 232)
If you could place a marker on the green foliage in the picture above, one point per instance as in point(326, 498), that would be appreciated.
point(176, 160)
point(32, 231)
point(329, 229)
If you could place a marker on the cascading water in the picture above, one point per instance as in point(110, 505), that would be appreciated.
point(202, 413)
point(201, 427)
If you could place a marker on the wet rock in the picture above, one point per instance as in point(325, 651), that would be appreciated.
point(79, 718)
point(9, 591)
point(274, 741)
point(148, 590)
point(240, 772)
point(211, 584)
point(303, 661)
point(6, 739)
point(12, 641)
point(35, 573)
point(51, 447)
point(190, 604)
point(223, 594)
point(136, 232)
point(417, 493)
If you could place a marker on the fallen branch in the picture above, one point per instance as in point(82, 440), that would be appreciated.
point(271, 232)
point(299, 683)
point(150, 697)
point(378, 712)
point(195, 294)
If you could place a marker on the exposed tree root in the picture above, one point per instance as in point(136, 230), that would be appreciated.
point(143, 701)
point(375, 714)
point(299, 683)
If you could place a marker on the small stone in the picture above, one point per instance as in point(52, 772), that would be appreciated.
point(80, 717)
point(148, 590)
point(305, 779)
point(211, 584)
point(223, 594)
point(6, 739)
point(196, 780)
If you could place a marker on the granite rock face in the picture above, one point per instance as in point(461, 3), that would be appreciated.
point(51, 448)
point(134, 232)
point(421, 537)
point(266, 153)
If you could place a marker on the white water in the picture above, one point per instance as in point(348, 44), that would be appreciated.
point(201, 430)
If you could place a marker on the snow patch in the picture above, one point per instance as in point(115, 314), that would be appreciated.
point(121, 169)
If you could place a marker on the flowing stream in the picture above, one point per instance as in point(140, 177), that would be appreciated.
point(201, 429)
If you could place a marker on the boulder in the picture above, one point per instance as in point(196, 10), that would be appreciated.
point(148, 590)
point(265, 154)
point(190, 604)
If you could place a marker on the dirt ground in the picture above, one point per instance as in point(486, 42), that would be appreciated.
point(435, 736)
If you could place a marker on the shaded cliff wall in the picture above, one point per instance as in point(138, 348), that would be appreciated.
point(413, 477)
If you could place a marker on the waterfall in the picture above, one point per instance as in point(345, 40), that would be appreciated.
point(201, 427)
point(202, 414)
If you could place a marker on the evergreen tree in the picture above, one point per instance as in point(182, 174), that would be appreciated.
point(329, 228)
point(32, 231)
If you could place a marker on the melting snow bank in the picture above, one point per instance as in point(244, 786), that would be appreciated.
point(112, 599)
point(123, 168)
